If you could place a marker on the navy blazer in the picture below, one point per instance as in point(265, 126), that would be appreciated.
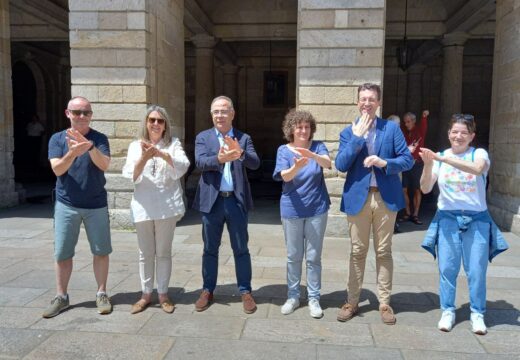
point(390, 145)
point(207, 147)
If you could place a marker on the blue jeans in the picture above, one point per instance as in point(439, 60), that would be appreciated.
point(226, 211)
point(472, 247)
point(304, 237)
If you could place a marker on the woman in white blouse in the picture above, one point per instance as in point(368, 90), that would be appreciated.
point(155, 163)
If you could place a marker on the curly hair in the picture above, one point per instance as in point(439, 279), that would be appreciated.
point(295, 117)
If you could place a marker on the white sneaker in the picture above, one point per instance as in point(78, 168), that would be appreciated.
point(447, 321)
point(315, 308)
point(477, 324)
point(290, 305)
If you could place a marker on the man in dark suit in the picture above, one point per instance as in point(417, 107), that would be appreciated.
point(223, 196)
point(373, 152)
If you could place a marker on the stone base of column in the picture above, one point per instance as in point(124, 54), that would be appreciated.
point(8, 199)
point(121, 220)
point(505, 219)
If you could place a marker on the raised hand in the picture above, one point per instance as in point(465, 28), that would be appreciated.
point(300, 162)
point(361, 127)
point(425, 113)
point(232, 144)
point(77, 143)
point(148, 150)
point(226, 155)
point(302, 152)
point(428, 156)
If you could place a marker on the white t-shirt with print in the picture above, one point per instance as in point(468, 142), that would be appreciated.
point(460, 190)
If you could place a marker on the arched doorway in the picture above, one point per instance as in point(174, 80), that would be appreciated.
point(29, 142)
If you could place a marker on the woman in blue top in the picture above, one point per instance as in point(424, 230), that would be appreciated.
point(303, 206)
point(462, 229)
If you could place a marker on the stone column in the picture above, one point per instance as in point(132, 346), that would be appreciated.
point(8, 195)
point(340, 46)
point(451, 90)
point(504, 138)
point(126, 55)
point(230, 82)
point(414, 89)
point(204, 75)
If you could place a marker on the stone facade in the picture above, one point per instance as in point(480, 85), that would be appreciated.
point(8, 195)
point(340, 46)
point(125, 56)
point(504, 191)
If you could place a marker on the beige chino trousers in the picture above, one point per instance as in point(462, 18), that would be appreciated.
point(376, 216)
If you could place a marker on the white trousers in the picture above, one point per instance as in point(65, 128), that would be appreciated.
point(155, 239)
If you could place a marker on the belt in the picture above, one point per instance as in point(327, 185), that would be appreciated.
point(226, 194)
point(373, 189)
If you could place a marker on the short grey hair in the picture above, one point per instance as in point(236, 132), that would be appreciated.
point(222, 97)
point(411, 115)
point(167, 134)
point(395, 119)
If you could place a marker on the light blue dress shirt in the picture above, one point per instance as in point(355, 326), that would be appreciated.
point(226, 184)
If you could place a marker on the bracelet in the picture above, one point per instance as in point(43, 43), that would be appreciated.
point(91, 146)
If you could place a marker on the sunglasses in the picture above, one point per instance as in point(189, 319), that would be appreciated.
point(467, 117)
point(80, 112)
point(152, 120)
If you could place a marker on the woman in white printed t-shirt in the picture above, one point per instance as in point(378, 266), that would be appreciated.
point(462, 229)
point(155, 163)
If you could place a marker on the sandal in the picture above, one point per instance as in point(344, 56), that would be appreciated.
point(168, 306)
point(415, 220)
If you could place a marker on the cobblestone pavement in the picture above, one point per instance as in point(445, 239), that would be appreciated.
point(27, 285)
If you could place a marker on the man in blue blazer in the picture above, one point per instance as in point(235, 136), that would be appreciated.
point(223, 196)
point(373, 152)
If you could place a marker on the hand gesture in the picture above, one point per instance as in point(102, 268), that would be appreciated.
point(361, 127)
point(412, 147)
point(425, 113)
point(428, 156)
point(148, 150)
point(302, 152)
point(300, 162)
point(232, 144)
point(77, 143)
point(225, 155)
point(374, 160)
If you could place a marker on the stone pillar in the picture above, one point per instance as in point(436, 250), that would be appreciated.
point(504, 138)
point(414, 89)
point(340, 46)
point(451, 90)
point(230, 82)
point(8, 195)
point(124, 57)
point(204, 84)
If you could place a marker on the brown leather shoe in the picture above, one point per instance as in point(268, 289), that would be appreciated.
point(249, 303)
point(347, 312)
point(168, 306)
point(204, 300)
point(139, 306)
point(387, 314)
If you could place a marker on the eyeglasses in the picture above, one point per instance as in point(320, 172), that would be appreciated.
point(467, 117)
point(220, 112)
point(80, 112)
point(152, 120)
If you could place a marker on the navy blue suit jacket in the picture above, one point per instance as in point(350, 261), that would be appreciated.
point(390, 145)
point(207, 147)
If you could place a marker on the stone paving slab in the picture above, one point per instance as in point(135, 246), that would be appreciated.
point(19, 317)
point(15, 343)
point(72, 345)
point(307, 331)
point(197, 325)
point(326, 352)
point(195, 349)
point(451, 355)
point(18, 296)
point(419, 338)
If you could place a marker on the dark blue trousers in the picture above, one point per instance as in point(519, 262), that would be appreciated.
point(230, 212)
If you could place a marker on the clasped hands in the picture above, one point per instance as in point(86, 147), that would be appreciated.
point(231, 150)
point(77, 143)
point(149, 151)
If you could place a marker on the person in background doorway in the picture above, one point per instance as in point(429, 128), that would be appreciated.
point(415, 134)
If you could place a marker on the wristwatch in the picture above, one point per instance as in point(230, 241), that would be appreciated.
point(91, 146)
